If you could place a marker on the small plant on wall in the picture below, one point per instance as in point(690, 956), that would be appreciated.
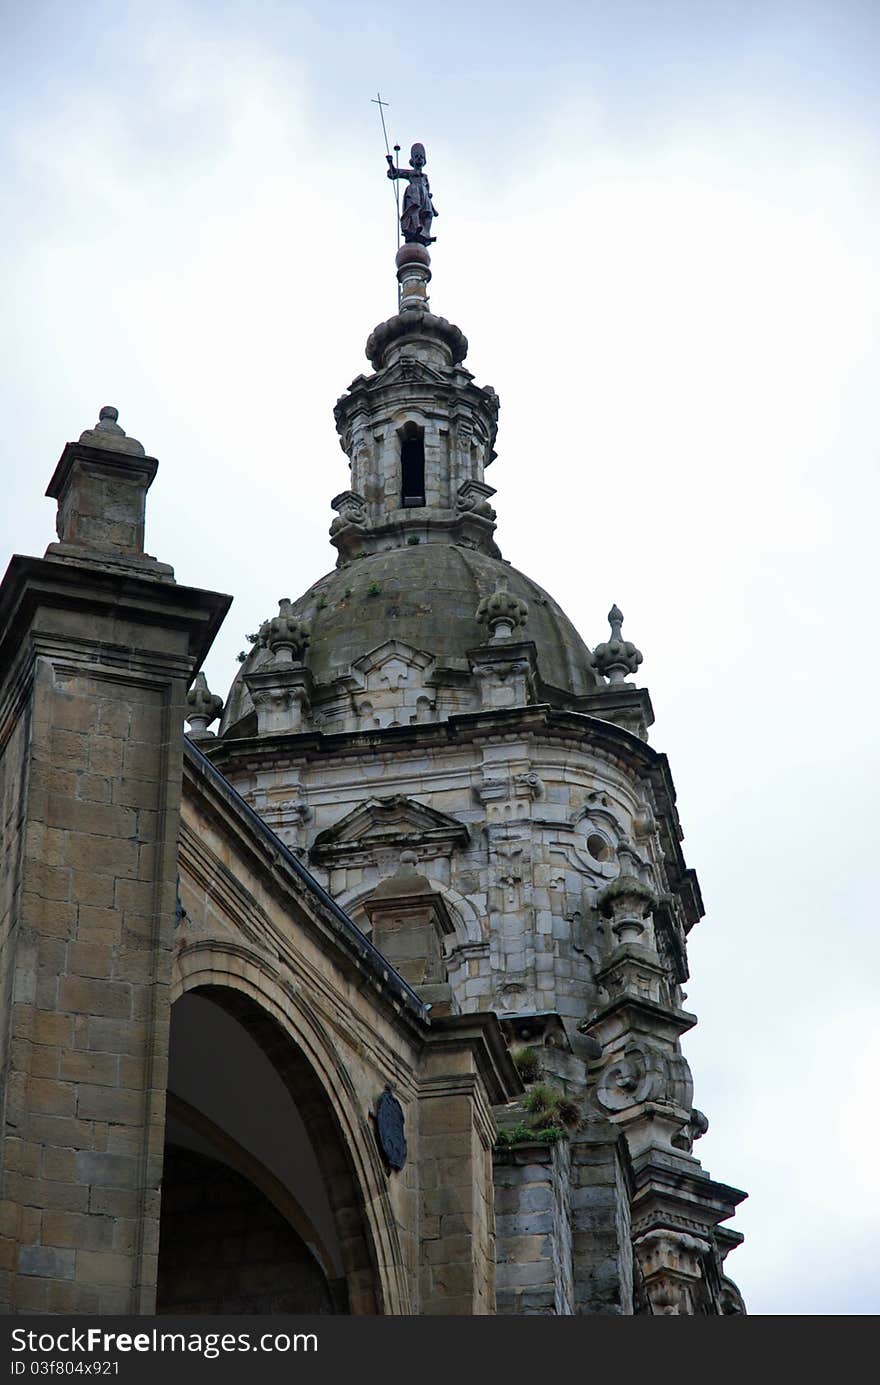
point(550, 1114)
point(527, 1062)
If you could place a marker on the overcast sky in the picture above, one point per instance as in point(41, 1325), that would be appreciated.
point(658, 228)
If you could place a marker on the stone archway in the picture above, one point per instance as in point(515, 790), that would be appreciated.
point(224, 1247)
point(247, 1107)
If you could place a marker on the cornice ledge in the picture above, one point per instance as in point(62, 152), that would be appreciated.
point(482, 1034)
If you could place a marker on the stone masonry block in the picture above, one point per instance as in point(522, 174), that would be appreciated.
point(46, 1261)
point(77, 1230)
point(51, 1097)
point(107, 1170)
point(103, 1267)
point(110, 999)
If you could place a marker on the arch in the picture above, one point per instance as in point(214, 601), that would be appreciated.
point(224, 1247)
point(243, 1161)
point(279, 1018)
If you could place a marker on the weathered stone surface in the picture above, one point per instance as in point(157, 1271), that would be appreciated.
point(424, 698)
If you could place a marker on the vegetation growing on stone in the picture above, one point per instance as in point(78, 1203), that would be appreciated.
point(523, 1134)
point(527, 1062)
point(550, 1114)
point(548, 1105)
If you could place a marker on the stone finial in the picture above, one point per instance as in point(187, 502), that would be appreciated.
point(286, 635)
point(502, 612)
point(108, 434)
point(406, 880)
point(627, 901)
point(100, 485)
point(206, 707)
point(616, 657)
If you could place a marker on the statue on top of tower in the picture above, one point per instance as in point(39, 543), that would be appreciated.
point(418, 209)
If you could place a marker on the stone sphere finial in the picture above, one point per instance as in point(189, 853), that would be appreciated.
point(502, 612)
point(616, 657)
point(108, 421)
point(108, 434)
point(287, 636)
point(206, 707)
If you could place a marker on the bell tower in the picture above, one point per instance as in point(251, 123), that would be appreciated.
point(419, 433)
point(427, 713)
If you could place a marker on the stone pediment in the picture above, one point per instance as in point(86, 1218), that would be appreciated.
point(408, 370)
point(390, 664)
point(395, 822)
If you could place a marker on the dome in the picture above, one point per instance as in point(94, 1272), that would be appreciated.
point(425, 595)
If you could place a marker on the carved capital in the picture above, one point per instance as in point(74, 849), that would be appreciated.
point(281, 694)
point(671, 1263)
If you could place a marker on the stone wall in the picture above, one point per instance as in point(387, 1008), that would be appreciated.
point(225, 1249)
point(600, 1203)
point(13, 798)
point(533, 1225)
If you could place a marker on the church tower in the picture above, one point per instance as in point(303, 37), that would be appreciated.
point(370, 1003)
point(473, 785)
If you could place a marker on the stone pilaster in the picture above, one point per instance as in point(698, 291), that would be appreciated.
point(601, 1190)
point(643, 1085)
point(534, 1273)
point(281, 693)
point(466, 1070)
point(506, 674)
point(97, 647)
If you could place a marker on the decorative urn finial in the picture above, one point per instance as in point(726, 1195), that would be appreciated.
point(627, 901)
point(286, 636)
point(206, 707)
point(616, 657)
point(502, 612)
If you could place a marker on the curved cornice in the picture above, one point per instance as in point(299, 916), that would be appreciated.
point(603, 738)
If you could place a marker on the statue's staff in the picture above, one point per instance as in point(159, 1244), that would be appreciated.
point(380, 103)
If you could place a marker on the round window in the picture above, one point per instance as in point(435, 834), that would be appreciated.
point(598, 847)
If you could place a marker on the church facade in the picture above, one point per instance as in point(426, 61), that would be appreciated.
point(371, 1001)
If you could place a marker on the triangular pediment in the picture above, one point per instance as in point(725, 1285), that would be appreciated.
point(397, 822)
point(390, 662)
point(407, 370)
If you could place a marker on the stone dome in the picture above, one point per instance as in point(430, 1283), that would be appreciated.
point(425, 595)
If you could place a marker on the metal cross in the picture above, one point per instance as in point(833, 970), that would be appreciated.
point(377, 101)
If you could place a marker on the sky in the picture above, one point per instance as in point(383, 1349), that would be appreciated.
point(658, 223)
